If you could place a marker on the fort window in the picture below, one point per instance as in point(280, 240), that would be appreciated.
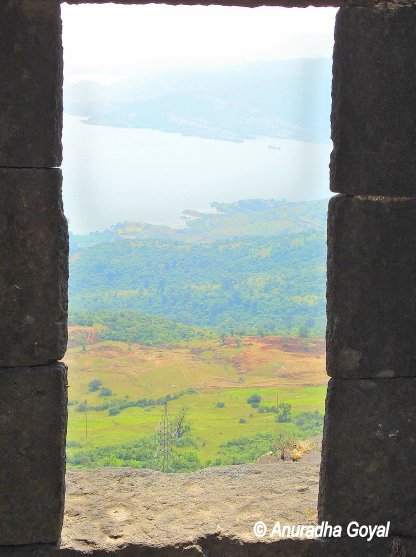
point(219, 314)
point(371, 292)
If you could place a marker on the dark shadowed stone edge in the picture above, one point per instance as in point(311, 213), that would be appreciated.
point(218, 546)
point(33, 429)
point(240, 3)
point(31, 124)
point(32, 199)
point(371, 265)
point(373, 102)
point(383, 4)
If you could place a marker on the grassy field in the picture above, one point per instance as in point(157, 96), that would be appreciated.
point(227, 371)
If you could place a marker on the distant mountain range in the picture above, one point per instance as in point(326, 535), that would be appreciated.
point(281, 99)
point(246, 218)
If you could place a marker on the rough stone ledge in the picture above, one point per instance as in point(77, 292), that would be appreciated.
point(221, 546)
point(109, 507)
point(124, 512)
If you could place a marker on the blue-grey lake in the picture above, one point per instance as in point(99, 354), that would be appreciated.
point(116, 174)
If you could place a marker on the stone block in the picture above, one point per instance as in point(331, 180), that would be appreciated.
point(31, 83)
point(218, 545)
point(34, 267)
point(369, 450)
point(371, 287)
point(33, 417)
point(374, 102)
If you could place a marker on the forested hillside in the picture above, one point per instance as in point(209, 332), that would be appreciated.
point(255, 284)
point(249, 217)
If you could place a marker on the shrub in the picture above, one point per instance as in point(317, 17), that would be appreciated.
point(284, 414)
point(305, 446)
point(94, 385)
point(283, 443)
point(254, 399)
point(242, 421)
point(243, 449)
point(310, 422)
point(220, 405)
point(267, 409)
point(186, 441)
point(105, 392)
point(296, 455)
point(74, 445)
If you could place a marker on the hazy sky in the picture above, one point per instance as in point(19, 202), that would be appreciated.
point(108, 42)
point(122, 174)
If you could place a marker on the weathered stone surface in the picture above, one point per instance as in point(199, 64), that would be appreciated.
point(34, 267)
point(31, 83)
point(371, 287)
point(33, 416)
point(108, 512)
point(369, 450)
point(105, 507)
point(223, 546)
point(374, 102)
point(211, 545)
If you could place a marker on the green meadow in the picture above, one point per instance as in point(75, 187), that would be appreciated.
point(209, 381)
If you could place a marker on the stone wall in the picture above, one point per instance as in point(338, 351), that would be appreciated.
point(370, 426)
point(33, 274)
point(369, 440)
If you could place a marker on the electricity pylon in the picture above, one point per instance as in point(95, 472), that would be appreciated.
point(163, 442)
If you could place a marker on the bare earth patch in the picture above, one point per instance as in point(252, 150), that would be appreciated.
point(110, 507)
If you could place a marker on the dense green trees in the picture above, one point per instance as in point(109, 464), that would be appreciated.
point(133, 326)
point(254, 267)
point(240, 286)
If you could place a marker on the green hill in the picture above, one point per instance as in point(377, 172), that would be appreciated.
point(253, 284)
point(201, 317)
point(246, 218)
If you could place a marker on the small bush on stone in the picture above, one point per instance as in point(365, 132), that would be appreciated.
point(284, 443)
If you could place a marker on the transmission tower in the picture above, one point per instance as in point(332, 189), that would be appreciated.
point(163, 442)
